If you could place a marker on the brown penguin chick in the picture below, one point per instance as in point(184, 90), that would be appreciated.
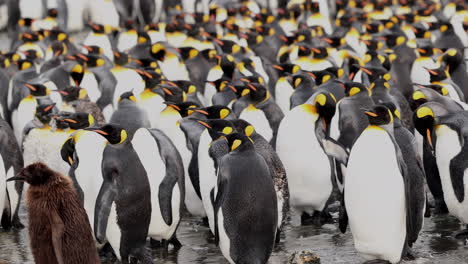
point(59, 229)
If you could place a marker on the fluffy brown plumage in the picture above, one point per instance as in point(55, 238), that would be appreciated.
point(58, 223)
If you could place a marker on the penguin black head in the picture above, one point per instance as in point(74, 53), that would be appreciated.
point(426, 51)
point(257, 92)
point(214, 112)
point(379, 115)
point(77, 73)
point(334, 41)
point(438, 74)
point(151, 78)
point(4, 61)
point(446, 28)
point(37, 89)
point(121, 58)
point(243, 126)
point(394, 39)
point(92, 60)
point(67, 151)
point(77, 120)
point(320, 52)
point(93, 50)
point(304, 50)
point(44, 113)
point(127, 96)
point(451, 59)
point(56, 35)
point(143, 37)
point(353, 88)
point(58, 48)
point(216, 127)
point(302, 78)
point(188, 86)
point(52, 13)
point(185, 108)
point(375, 73)
point(26, 22)
point(323, 76)
point(254, 38)
point(158, 51)
point(373, 44)
point(188, 53)
point(30, 36)
point(325, 103)
point(172, 93)
point(238, 142)
point(113, 133)
point(24, 64)
point(436, 87)
point(36, 174)
point(374, 27)
point(393, 109)
point(424, 121)
point(73, 93)
point(31, 54)
point(97, 28)
point(286, 68)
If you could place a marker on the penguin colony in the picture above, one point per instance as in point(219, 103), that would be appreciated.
point(237, 112)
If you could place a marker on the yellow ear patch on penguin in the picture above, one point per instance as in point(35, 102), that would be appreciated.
point(418, 95)
point(297, 82)
point(236, 144)
point(424, 111)
point(193, 53)
point(444, 91)
point(224, 113)
point(100, 62)
point(249, 130)
point(123, 136)
point(452, 52)
point(77, 68)
point(82, 94)
point(321, 99)
point(227, 130)
point(192, 89)
point(245, 92)
point(443, 28)
point(397, 113)
point(325, 78)
point(354, 91)
point(90, 120)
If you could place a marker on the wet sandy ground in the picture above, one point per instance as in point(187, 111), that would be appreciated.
point(435, 244)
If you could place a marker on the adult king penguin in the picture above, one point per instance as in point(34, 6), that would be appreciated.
point(245, 185)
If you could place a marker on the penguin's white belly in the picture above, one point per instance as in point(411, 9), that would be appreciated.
point(104, 12)
point(156, 36)
point(90, 149)
point(335, 124)
point(174, 70)
point(207, 175)
point(91, 85)
point(30, 8)
point(447, 147)
point(127, 41)
point(318, 20)
point(25, 113)
point(375, 197)
point(257, 118)
point(153, 105)
point(224, 242)
point(306, 164)
point(288, 26)
point(3, 18)
point(148, 152)
point(3, 187)
point(75, 17)
point(420, 75)
point(113, 232)
point(283, 92)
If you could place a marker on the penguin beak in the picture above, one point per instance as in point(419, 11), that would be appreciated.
point(370, 113)
point(70, 120)
point(367, 71)
point(429, 137)
point(97, 131)
point(31, 87)
point(48, 108)
point(16, 178)
point(431, 71)
point(204, 124)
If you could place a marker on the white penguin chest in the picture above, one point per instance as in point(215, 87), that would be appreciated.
point(447, 147)
point(91, 85)
point(283, 92)
point(258, 119)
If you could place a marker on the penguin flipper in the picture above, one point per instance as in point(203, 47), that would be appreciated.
point(343, 215)
point(216, 233)
point(458, 165)
point(335, 150)
point(165, 198)
point(58, 228)
point(102, 209)
point(6, 215)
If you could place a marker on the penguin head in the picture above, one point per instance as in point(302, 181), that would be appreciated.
point(25, 22)
point(446, 27)
point(392, 40)
point(436, 87)
point(325, 104)
point(30, 36)
point(67, 152)
point(334, 41)
point(373, 44)
point(57, 48)
point(172, 93)
point(44, 113)
point(93, 50)
point(320, 52)
point(36, 174)
point(426, 51)
point(150, 77)
point(188, 53)
point(354, 88)
point(379, 115)
point(254, 38)
point(56, 35)
point(284, 69)
point(238, 142)
point(375, 73)
point(374, 27)
point(143, 37)
point(394, 110)
point(187, 86)
point(95, 61)
point(438, 74)
point(306, 79)
point(127, 96)
point(304, 50)
point(77, 73)
point(121, 58)
point(73, 93)
point(213, 112)
point(257, 92)
point(216, 127)
point(77, 120)
point(244, 127)
point(184, 108)
point(53, 13)
point(31, 54)
point(37, 89)
point(24, 64)
point(322, 76)
point(158, 51)
point(4, 61)
point(114, 134)
point(97, 28)
point(221, 84)
point(451, 59)
point(424, 121)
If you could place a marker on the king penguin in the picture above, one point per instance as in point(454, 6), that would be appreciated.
point(242, 174)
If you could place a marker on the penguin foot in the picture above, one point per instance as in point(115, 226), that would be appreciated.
point(409, 256)
point(16, 222)
point(376, 261)
point(175, 243)
point(306, 219)
point(440, 207)
point(462, 235)
point(155, 243)
point(278, 236)
point(205, 222)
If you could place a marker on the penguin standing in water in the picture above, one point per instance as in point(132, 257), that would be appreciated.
point(242, 174)
point(378, 204)
point(165, 170)
point(12, 162)
point(310, 185)
point(278, 173)
point(58, 227)
point(123, 206)
point(445, 132)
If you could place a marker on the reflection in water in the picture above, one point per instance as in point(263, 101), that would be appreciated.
point(436, 245)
